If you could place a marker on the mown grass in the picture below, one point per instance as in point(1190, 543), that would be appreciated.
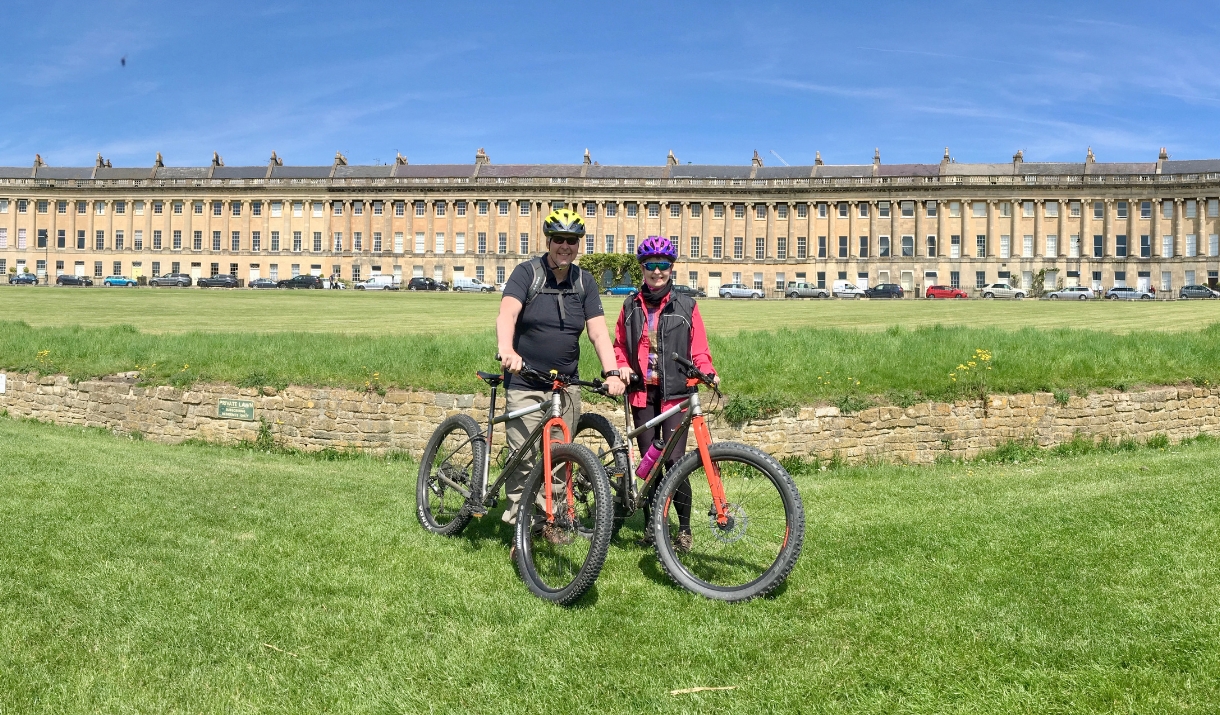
point(767, 370)
point(173, 310)
point(138, 577)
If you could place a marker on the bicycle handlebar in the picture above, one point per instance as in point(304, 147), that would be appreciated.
point(691, 371)
point(530, 373)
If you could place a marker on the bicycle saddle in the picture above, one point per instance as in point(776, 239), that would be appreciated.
point(491, 378)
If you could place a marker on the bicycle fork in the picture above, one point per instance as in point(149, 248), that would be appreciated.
point(556, 420)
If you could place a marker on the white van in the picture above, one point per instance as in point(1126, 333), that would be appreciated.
point(379, 283)
point(844, 289)
point(472, 285)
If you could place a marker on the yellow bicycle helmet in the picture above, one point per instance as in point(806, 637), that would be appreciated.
point(563, 222)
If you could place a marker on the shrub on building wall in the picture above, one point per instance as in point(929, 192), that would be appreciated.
point(617, 265)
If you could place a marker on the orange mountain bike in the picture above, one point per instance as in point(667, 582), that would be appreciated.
point(747, 522)
point(564, 521)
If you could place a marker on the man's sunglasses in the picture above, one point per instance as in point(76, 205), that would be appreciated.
point(570, 240)
point(658, 266)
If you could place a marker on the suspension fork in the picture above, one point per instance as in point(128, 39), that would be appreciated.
point(555, 420)
point(703, 438)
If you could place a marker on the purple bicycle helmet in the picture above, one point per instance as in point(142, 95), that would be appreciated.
point(656, 246)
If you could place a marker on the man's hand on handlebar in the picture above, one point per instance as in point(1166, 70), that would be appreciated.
point(511, 361)
point(615, 386)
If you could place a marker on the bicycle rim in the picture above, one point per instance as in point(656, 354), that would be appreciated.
point(755, 549)
point(599, 435)
point(455, 453)
point(560, 558)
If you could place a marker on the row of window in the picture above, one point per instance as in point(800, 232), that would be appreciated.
point(864, 247)
point(906, 209)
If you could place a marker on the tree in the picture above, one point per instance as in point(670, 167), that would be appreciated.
point(618, 265)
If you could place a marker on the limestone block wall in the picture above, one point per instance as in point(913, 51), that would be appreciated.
point(316, 418)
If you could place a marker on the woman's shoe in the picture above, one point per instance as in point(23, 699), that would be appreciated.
point(683, 543)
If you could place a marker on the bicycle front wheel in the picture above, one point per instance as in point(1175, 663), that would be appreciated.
point(751, 554)
point(453, 459)
point(559, 558)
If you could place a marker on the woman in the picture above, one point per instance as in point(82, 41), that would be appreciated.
point(655, 323)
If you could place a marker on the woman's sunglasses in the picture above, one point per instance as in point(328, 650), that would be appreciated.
point(570, 240)
point(658, 266)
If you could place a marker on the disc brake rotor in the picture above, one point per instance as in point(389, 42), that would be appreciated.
point(735, 529)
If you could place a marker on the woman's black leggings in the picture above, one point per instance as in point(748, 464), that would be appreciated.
point(640, 415)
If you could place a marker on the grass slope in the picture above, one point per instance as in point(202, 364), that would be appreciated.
point(782, 367)
point(141, 577)
point(172, 310)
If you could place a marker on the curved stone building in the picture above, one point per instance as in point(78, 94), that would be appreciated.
point(1088, 223)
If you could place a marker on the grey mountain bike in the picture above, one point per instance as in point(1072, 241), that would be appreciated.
point(565, 515)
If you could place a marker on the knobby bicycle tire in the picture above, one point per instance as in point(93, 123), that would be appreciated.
point(550, 568)
point(440, 508)
point(596, 430)
point(755, 554)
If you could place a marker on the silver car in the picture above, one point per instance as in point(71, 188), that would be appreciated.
point(1002, 290)
point(1128, 293)
point(739, 290)
point(1071, 293)
point(805, 290)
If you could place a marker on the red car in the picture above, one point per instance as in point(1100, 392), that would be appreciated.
point(945, 292)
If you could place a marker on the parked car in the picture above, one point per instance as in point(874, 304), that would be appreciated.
point(687, 290)
point(220, 280)
point(171, 279)
point(1128, 293)
point(1071, 293)
point(122, 281)
point(67, 280)
point(945, 292)
point(621, 290)
point(305, 281)
point(263, 283)
point(16, 279)
point(378, 283)
point(884, 290)
point(739, 290)
point(472, 285)
point(422, 283)
point(1002, 290)
point(845, 289)
point(804, 290)
point(1198, 292)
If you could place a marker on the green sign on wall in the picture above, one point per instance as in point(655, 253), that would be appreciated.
point(229, 409)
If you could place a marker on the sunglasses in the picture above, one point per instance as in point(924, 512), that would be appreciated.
point(658, 266)
point(570, 240)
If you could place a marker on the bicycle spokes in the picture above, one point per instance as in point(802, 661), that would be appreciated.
point(736, 543)
point(560, 536)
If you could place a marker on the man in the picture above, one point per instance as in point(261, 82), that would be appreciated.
point(548, 302)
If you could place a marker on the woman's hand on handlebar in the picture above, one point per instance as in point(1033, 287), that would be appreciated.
point(511, 361)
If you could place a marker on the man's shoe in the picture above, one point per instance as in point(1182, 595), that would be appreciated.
point(556, 536)
point(683, 543)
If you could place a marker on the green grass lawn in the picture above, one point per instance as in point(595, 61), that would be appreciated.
point(172, 310)
point(785, 367)
point(137, 577)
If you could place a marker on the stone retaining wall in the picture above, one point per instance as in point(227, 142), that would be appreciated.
point(316, 418)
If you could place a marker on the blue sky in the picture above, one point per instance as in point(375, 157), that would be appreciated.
point(540, 82)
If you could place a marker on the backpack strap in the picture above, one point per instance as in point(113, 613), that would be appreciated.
point(538, 282)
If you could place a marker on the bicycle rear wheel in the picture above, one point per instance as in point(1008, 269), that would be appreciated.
point(756, 550)
point(560, 559)
point(453, 456)
point(600, 436)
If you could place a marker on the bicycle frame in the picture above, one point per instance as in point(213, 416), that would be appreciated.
point(541, 434)
point(695, 421)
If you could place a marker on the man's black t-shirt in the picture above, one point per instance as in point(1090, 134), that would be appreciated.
point(542, 339)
